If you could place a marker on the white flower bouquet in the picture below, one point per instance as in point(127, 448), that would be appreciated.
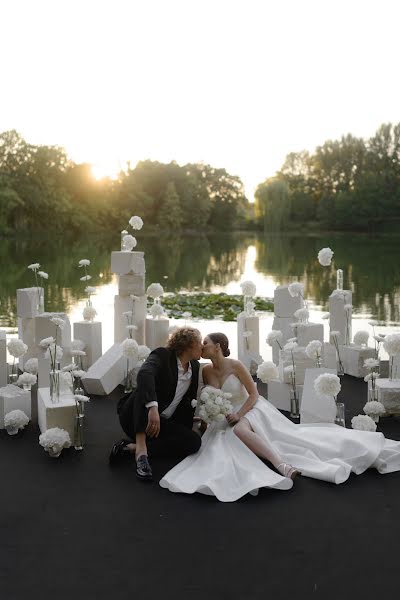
point(15, 420)
point(155, 290)
point(302, 314)
point(31, 366)
point(130, 350)
point(215, 405)
point(54, 440)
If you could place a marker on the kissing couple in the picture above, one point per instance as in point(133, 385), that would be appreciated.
point(255, 445)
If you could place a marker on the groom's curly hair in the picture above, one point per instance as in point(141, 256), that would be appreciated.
point(183, 338)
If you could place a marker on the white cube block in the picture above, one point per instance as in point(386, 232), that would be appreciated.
point(130, 283)
point(389, 394)
point(156, 332)
point(248, 347)
point(284, 304)
point(279, 394)
point(61, 414)
point(301, 362)
point(307, 332)
point(329, 358)
point(28, 301)
point(353, 358)
point(316, 409)
point(43, 370)
point(90, 333)
point(13, 397)
point(139, 307)
point(106, 373)
point(3, 358)
point(285, 326)
point(338, 319)
point(125, 262)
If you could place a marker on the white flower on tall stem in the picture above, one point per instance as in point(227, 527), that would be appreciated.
point(363, 423)
point(43, 275)
point(15, 420)
point(54, 440)
point(89, 313)
point(377, 342)
point(27, 380)
point(55, 354)
point(59, 323)
point(334, 335)
point(34, 267)
point(275, 337)
point(325, 257)
point(89, 289)
point(136, 223)
point(314, 351)
point(31, 366)
point(248, 288)
point(86, 278)
point(85, 262)
point(327, 384)
point(374, 409)
point(155, 290)
point(266, 371)
point(156, 310)
point(372, 376)
point(391, 343)
point(129, 241)
point(361, 338)
point(17, 348)
point(302, 314)
point(296, 289)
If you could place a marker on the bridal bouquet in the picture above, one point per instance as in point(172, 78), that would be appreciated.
point(215, 405)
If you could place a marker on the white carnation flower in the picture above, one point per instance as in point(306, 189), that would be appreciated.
point(43, 275)
point(77, 345)
point(89, 313)
point(327, 384)
point(78, 373)
point(360, 338)
point(374, 408)
point(325, 257)
point(31, 366)
point(50, 352)
point(156, 310)
point(34, 266)
point(17, 348)
point(290, 346)
point(391, 343)
point(247, 334)
point(302, 314)
point(136, 223)
point(248, 288)
point(373, 323)
point(129, 242)
point(84, 262)
point(274, 336)
point(15, 420)
point(130, 349)
point(363, 423)
point(372, 375)
point(296, 289)
point(266, 371)
point(313, 349)
point(85, 278)
point(58, 322)
point(46, 342)
point(54, 440)
point(155, 290)
point(371, 363)
point(26, 379)
point(81, 398)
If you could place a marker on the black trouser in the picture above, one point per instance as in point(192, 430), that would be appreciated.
point(175, 440)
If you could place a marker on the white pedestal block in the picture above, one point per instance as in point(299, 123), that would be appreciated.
point(3, 358)
point(43, 371)
point(130, 283)
point(106, 373)
point(384, 368)
point(301, 362)
point(307, 332)
point(248, 347)
point(284, 304)
point(90, 333)
point(44, 328)
point(284, 325)
point(62, 414)
point(389, 395)
point(353, 358)
point(28, 302)
point(125, 262)
point(124, 304)
point(156, 332)
point(26, 332)
point(13, 397)
point(329, 359)
point(337, 314)
point(279, 394)
point(316, 409)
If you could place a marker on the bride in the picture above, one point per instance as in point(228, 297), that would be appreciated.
point(228, 464)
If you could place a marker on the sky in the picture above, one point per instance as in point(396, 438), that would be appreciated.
point(237, 84)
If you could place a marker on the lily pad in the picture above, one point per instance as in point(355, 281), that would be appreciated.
point(210, 306)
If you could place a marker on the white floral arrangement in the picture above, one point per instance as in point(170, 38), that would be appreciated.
point(130, 242)
point(275, 337)
point(302, 314)
point(55, 354)
point(27, 379)
point(361, 338)
point(130, 350)
point(17, 348)
point(85, 262)
point(371, 363)
point(155, 290)
point(34, 267)
point(248, 288)
point(267, 371)
point(363, 423)
point(89, 313)
point(31, 366)
point(15, 420)
point(314, 351)
point(54, 440)
point(325, 256)
point(156, 311)
point(215, 405)
point(136, 222)
point(291, 345)
point(373, 407)
point(327, 384)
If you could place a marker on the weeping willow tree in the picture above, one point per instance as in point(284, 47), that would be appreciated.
point(273, 204)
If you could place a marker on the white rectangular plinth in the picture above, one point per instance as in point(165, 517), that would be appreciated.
point(139, 307)
point(316, 409)
point(285, 326)
point(125, 262)
point(156, 332)
point(301, 362)
point(329, 359)
point(339, 319)
point(26, 333)
point(307, 332)
point(13, 397)
point(389, 394)
point(61, 414)
point(3, 358)
point(90, 333)
point(130, 283)
point(28, 301)
point(284, 304)
point(43, 370)
point(353, 358)
point(248, 330)
point(44, 328)
point(279, 394)
point(106, 373)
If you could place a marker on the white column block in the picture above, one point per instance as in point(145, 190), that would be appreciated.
point(28, 302)
point(284, 304)
point(3, 358)
point(125, 262)
point(384, 368)
point(307, 332)
point(329, 358)
point(123, 304)
point(301, 362)
point(248, 347)
point(353, 358)
point(131, 284)
point(156, 332)
point(279, 394)
point(89, 332)
point(62, 414)
point(284, 325)
point(106, 373)
point(26, 332)
point(316, 409)
point(13, 397)
point(389, 394)
point(337, 314)
point(43, 370)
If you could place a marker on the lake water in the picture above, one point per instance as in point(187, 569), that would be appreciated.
point(214, 263)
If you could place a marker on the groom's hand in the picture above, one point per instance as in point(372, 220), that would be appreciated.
point(153, 422)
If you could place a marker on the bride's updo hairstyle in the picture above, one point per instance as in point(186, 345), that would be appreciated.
point(222, 340)
point(183, 338)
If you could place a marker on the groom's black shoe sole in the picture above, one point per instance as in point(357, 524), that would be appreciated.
point(118, 453)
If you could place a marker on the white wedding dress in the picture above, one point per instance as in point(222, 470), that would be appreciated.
point(226, 468)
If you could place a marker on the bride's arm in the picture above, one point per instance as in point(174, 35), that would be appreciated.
point(245, 378)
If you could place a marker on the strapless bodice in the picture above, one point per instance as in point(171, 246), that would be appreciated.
point(233, 386)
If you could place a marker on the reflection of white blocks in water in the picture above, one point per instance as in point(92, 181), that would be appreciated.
point(61, 414)
point(307, 332)
point(13, 397)
point(125, 262)
point(279, 394)
point(316, 409)
point(124, 304)
point(43, 370)
point(337, 313)
point(156, 332)
point(130, 283)
point(3, 358)
point(28, 302)
point(106, 373)
point(248, 347)
point(353, 358)
point(301, 362)
point(284, 304)
point(90, 333)
point(389, 394)
point(284, 325)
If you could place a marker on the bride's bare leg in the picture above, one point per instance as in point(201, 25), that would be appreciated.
point(261, 448)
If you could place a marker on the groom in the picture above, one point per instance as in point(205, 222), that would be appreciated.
point(158, 415)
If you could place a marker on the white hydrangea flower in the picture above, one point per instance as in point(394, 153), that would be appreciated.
point(266, 371)
point(46, 342)
point(144, 352)
point(77, 345)
point(55, 439)
point(156, 310)
point(313, 349)
point(136, 222)
point(302, 314)
point(26, 379)
point(43, 275)
point(325, 257)
point(58, 322)
point(290, 346)
point(274, 336)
